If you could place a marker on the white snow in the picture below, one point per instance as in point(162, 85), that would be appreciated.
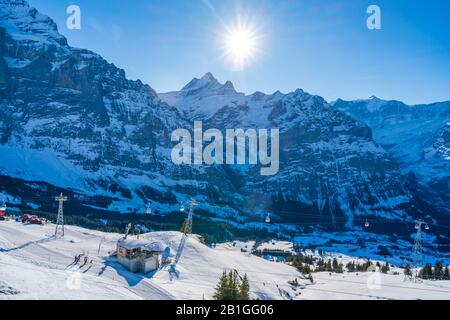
point(276, 245)
point(33, 265)
point(38, 266)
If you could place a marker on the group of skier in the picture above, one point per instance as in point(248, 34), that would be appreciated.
point(78, 259)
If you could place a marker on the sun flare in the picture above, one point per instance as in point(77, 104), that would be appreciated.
point(241, 45)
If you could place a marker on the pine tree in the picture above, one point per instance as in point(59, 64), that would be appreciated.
point(385, 268)
point(320, 266)
point(234, 285)
point(366, 266)
point(245, 288)
point(335, 264)
point(184, 227)
point(426, 272)
point(351, 267)
point(328, 266)
point(229, 287)
point(407, 271)
point(446, 273)
point(221, 288)
point(438, 271)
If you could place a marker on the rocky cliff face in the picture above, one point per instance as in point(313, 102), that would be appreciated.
point(71, 119)
point(331, 170)
point(109, 134)
point(418, 138)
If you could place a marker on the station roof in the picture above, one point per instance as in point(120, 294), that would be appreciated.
point(146, 244)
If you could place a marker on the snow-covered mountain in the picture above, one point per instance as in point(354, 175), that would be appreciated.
point(70, 121)
point(418, 136)
point(331, 168)
point(70, 118)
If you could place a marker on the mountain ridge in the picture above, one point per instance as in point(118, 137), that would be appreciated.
point(417, 136)
point(68, 114)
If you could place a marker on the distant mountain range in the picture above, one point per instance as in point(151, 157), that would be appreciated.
point(70, 121)
point(417, 136)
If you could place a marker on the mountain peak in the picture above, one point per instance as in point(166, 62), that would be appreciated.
point(23, 22)
point(207, 81)
point(209, 77)
point(228, 85)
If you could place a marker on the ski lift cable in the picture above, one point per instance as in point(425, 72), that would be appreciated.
point(294, 224)
point(293, 213)
point(307, 223)
point(296, 213)
point(300, 214)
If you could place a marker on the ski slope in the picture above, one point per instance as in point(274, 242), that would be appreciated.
point(35, 265)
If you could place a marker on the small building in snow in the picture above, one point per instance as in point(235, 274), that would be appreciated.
point(139, 255)
point(274, 250)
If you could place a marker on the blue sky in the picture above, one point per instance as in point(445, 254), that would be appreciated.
point(323, 47)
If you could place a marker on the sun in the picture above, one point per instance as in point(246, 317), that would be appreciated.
point(241, 44)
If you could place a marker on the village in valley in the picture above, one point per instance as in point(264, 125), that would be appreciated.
point(44, 260)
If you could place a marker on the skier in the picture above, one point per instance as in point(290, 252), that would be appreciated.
point(85, 259)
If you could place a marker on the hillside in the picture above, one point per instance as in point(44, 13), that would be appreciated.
point(33, 265)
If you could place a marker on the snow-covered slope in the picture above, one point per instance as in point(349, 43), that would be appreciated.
point(38, 267)
point(33, 265)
